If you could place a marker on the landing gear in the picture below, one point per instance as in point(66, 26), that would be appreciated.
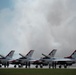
point(15, 66)
point(0, 66)
point(19, 65)
point(5, 65)
point(65, 66)
point(60, 66)
point(36, 66)
point(41, 66)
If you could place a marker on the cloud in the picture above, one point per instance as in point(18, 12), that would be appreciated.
point(40, 25)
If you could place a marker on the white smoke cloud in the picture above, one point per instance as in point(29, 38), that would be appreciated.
point(40, 25)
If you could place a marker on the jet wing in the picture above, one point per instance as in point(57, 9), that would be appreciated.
point(46, 56)
point(21, 55)
point(63, 59)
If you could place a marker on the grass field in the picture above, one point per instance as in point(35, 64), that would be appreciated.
point(37, 71)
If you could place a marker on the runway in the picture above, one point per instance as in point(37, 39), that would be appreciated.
point(44, 67)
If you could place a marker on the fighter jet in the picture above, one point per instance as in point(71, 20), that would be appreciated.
point(46, 60)
point(23, 60)
point(66, 61)
point(5, 60)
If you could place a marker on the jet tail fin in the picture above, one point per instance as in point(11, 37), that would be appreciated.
point(73, 55)
point(29, 54)
point(10, 54)
point(51, 54)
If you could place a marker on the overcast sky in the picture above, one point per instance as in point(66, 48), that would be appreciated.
point(41, 25)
